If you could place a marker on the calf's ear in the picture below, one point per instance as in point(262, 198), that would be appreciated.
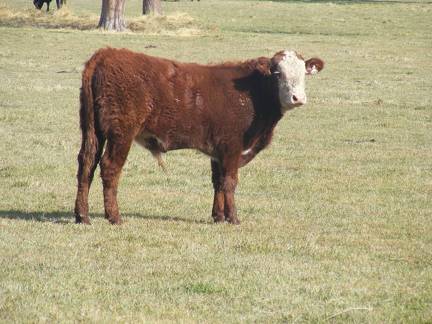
point(314, 65)
point(263, 66)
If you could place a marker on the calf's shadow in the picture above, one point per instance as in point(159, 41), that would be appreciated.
point(62, 217)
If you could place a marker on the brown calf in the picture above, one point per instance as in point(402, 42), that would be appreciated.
point(226, 111)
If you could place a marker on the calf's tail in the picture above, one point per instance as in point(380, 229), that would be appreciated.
point(91, 145)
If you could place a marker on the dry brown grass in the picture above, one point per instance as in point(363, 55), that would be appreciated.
point(176, 24)
point(63, 18)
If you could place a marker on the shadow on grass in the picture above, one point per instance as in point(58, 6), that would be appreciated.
point(69, 218)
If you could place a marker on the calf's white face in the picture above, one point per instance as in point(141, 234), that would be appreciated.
point(291, 70)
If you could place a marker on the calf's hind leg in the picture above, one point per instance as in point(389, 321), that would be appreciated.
point(88, 158)
point(111, 165)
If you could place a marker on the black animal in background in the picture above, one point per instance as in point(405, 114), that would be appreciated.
point(39, 3)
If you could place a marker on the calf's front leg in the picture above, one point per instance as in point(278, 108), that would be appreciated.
point(219, 200)
point(225, 178)
point(229, 183)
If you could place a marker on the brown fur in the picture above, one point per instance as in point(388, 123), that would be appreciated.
point(220, 110)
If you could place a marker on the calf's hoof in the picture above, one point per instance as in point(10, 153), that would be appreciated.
point(113, 218)
point(115, 221)
point(218, 218)
point(233, 220)
point(80, 219)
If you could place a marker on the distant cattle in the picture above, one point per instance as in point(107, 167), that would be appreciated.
point(39, 3)
point(227, 111)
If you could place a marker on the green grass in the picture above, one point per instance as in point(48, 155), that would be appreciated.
point(336, 214)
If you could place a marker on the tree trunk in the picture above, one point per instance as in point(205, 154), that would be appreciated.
point(112, 15)
point(152, 7)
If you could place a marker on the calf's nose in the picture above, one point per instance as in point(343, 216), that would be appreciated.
point(298, 100)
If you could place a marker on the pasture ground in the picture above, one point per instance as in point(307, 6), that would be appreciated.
point(336, 214)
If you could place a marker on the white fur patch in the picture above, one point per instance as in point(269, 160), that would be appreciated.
point(246, 152)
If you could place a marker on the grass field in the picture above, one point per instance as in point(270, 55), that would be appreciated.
point(336, 214)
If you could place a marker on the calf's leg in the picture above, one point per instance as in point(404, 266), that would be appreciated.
point(229, 184)
point(88, 158)
point(219, 200)
point(112, 163)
